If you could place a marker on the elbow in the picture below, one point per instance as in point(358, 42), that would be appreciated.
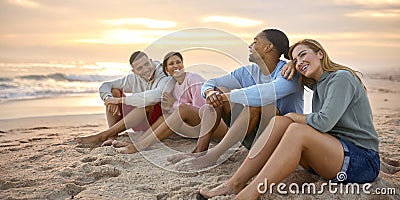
point(325, 127)
point(320, 123)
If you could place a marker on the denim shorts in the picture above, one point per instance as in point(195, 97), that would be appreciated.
point(360, 165)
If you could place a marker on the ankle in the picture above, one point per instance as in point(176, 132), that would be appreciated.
point(235, 185)
point(200, 148)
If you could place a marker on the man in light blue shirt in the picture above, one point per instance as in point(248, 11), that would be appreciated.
point(256, 96)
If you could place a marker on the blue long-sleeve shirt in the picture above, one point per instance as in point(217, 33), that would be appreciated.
point(249, 86)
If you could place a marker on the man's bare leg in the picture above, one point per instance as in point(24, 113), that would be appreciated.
point(210, 120)
point(157, 123)
point(132, 119)
point(249, 116)
point(211, 126)
point(113, 118)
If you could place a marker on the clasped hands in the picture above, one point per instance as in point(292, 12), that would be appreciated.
point(216, 98)
point(112, 104)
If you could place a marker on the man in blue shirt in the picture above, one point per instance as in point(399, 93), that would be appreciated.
point(251, 95)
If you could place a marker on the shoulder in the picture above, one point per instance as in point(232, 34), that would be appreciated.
point(342, 79)
point(342, 75)
point(157, 64)
point(131, 76)
point(159, 73)
point(279, 65)
point(194, 75)
point(194, 78)
point(278, 69)
point(251, 68)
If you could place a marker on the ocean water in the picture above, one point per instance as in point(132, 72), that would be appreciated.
point(48, 79)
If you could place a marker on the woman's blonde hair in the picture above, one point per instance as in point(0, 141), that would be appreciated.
point(326, 62)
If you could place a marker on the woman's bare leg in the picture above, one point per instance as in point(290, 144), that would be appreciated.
point(211, 126)
point(299, 144)
point(267, 142)
point(185, 115)
point(119, 144)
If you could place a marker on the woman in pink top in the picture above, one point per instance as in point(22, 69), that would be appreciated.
point(182, 110)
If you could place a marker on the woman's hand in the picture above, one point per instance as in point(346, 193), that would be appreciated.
point(296, 117)
point(167, 101)
point(288, 71)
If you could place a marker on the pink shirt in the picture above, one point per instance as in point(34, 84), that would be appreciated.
point(189, 92)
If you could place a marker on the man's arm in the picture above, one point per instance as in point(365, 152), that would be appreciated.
point(229, 81)
point(266, 93)
point(150, 97)
point(122, 83)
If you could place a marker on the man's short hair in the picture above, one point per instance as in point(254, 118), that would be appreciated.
point(136, 55)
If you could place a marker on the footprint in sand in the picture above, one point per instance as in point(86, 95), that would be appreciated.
point(114, 161)
point(65, 191)
point(73, 189)
point(4, 185)
point(88, 159)
point(86, 173)
point(389, 165)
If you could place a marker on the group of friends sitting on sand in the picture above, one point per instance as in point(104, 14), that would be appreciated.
point(259, 105)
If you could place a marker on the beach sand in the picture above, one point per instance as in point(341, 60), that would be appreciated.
point(39, 159)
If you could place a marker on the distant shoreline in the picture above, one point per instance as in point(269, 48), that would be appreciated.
point(52, 106)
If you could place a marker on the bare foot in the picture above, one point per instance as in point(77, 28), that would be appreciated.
point(92, 140)
point(182, 156)
point(201, 162)
point(224, 189)
point(118, 144)
point(178, 157)
point(108, 142)
point(127, 149)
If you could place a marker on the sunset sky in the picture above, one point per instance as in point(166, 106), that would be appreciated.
point(364, 34)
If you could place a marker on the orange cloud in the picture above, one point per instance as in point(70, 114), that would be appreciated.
point(377, 14)
point(150, 23)
point(24, 3)
point(232, 20)
point(125, 36)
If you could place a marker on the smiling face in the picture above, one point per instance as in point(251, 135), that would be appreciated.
point(144, 68)
point(174, 63)
point(307, 61)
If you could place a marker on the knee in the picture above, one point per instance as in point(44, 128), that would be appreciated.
point(183, 110)
point(148, 109)
point(277, 119)
point(207, 109)
point(116, 92)
point(253, 111)
point(296, 132)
